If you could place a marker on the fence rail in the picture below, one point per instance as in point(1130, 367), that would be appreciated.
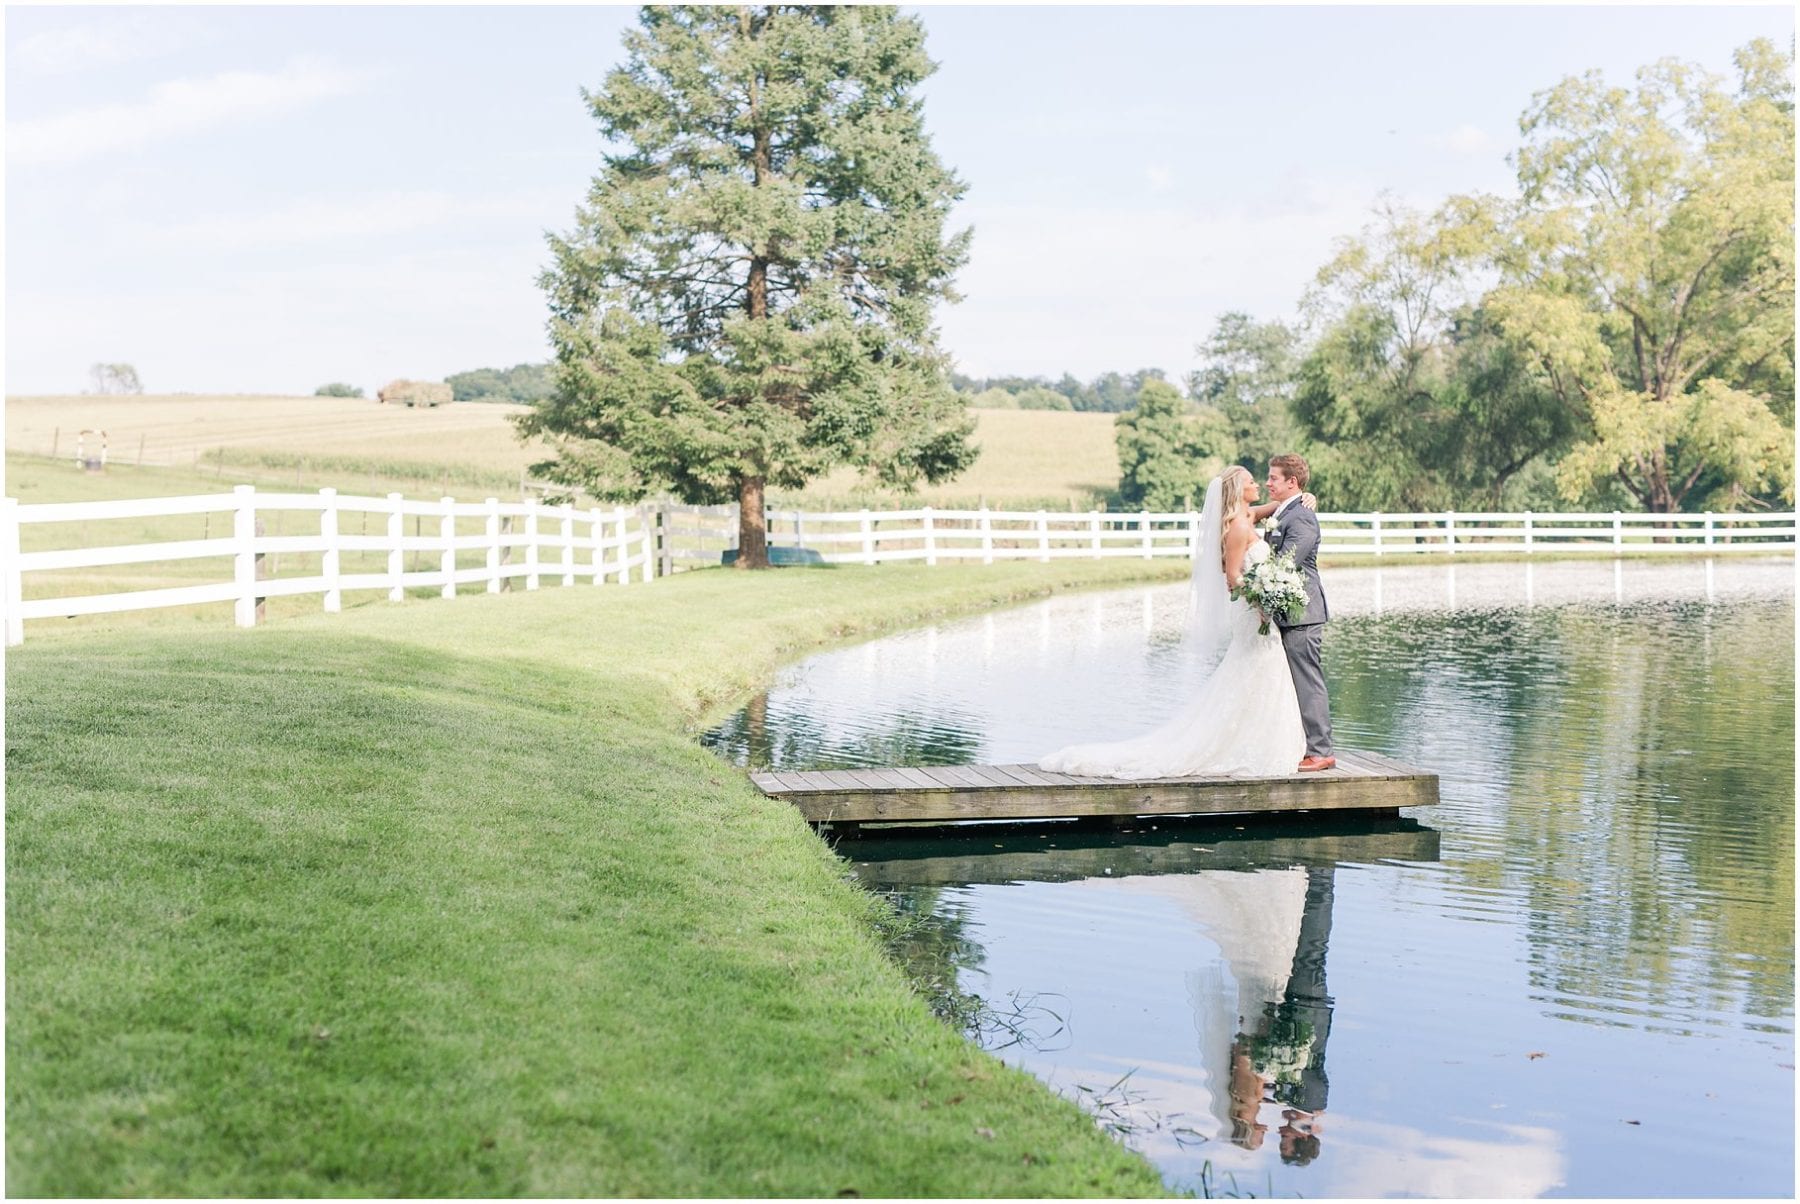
point(492, 545)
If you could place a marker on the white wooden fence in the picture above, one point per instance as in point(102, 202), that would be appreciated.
point(492, 545)
point(699, 533)
point(508, 540)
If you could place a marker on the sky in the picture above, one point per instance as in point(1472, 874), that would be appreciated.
point(263, 200)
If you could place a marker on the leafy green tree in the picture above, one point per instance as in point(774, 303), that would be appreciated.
point(1113, 393)
point(1649, 270)
point(1248, 374)
point(1039, 398)
point(1080, 396)
point(994, 399)
point(524, 383)
point(479, 383)
point(747, 296)
point(1167, 452)
point(338, 389)
point(1412, 396)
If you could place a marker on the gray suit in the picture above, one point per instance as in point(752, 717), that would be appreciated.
point(1297, 531)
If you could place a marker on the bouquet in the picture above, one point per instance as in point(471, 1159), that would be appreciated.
point(1275, 586)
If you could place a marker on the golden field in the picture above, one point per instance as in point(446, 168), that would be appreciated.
point(1029, 458)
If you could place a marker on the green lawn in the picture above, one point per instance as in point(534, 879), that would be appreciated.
point(441, 898)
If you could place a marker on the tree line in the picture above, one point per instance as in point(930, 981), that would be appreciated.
point(1618, 336)
point(1107, 393)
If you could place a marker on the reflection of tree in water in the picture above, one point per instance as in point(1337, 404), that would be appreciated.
point(928, 935)
point(1638, 765)
point(799, 739)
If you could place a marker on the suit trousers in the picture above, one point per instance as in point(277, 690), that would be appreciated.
point(1302, 646)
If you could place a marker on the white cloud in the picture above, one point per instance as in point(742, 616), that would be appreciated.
point(355, 317)
point(1096, 289)
point(1465, 139)
point(180, 106)
point(325, 219)
point(1518, 1162)
point(94, 44)
point(1161, 178)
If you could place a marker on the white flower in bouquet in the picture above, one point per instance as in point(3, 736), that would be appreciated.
point(1275, 586)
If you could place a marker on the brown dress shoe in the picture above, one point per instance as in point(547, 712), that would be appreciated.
point(1314, 764)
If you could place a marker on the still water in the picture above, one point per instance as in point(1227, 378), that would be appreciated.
point(1573, 977)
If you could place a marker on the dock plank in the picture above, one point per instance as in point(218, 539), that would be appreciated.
point(955, 793)
point(1384, 764)
point(960, 775)
point(923, 779)
point(992, 778)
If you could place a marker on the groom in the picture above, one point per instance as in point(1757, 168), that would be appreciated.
point(1297, 531)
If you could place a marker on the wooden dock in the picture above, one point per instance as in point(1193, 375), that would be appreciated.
point(945, 794)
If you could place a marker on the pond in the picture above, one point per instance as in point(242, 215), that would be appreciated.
point(1573, 977)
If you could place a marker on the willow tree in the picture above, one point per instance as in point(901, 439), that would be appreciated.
point(1650, 271)
point(746, 299)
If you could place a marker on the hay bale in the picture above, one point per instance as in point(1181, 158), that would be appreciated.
point(416, 393)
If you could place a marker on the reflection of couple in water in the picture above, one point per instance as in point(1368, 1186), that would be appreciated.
point(1250, 1090)
point(1264, 1001)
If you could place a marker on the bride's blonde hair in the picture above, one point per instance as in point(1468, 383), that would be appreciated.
point(1231, 494)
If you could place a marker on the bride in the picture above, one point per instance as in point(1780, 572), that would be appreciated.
point(1244, 721)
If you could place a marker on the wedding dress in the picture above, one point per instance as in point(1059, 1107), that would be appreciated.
point(1243, 720)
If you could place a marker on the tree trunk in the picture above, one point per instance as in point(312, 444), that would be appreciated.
point(753, 528)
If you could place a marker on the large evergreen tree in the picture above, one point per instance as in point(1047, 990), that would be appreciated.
point(747, 296)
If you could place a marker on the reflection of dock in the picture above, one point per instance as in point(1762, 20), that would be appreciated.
point(1361, 782)
point(1074, 855)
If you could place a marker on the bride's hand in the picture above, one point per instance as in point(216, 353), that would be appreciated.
point(1309, 501)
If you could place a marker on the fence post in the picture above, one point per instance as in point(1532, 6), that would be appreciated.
point(447, 532)
point(491, 528)
point(1094, 533)
point(599, 555)
point(1377, 530)
point(1043, 533)
point(1709, 528)
point(1144, 531)
point(1618, 534)
point(930, 538)
point(987, 535)
point(243, 530)
point(15, 579)
point(799, 528)
point(531, 543)
point(1450, 532)
point(619, 538)
point(868, 537)
point(331, 566)
point(665, 542)
point(649, 546)
point(396, 532)
point(1528, 532)
point(568, 543)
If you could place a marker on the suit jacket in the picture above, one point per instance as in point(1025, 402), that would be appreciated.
point(1297, 531)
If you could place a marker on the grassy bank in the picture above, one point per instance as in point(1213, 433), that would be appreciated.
point(443, 899)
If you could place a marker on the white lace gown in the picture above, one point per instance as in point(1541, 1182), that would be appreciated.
point(1243, 721)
